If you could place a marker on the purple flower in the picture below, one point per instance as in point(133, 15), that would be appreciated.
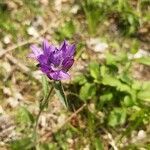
point(53, 61)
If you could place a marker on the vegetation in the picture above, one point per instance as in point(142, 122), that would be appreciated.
point(109, 90)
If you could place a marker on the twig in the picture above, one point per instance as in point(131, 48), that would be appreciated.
point(3, 52)
point(6, 132)
point(22, 67)
point(69, 118)
point(112, 142)
point(16, 62)
point(46, 27)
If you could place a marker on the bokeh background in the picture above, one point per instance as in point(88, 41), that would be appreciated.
point(109, 90)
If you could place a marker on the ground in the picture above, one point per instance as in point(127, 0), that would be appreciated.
point(96, 27)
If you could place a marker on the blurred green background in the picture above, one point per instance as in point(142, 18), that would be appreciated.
point(110, 76)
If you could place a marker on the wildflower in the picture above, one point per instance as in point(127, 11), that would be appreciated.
point(53, 61)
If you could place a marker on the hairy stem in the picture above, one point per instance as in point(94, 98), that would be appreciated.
point(42, 106)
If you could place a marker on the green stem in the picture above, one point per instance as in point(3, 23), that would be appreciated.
point(42, 106)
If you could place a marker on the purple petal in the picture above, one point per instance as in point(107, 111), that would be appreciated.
point(69, 51)
point(63, 45)
point(47, 48)
point(42, 59)
point(52, 48)
point(36, 51)
point(56, 58)
point(67, 63)
point(45, 69)
point(59, 75)
point(52, 61)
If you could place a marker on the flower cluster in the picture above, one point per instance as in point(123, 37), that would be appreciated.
point(53, 61)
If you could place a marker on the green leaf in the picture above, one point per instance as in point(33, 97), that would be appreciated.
point(66, 31)
point(112, 59)
point(124, 77)
point(114, 82)
point(136, 85)
point(23, 144)
point(87, 91)
point(79, 50)
point(93, 14)
point(94, 70)
point(45, 86)
point(127, 101)
point(80, 79)
point(48, 146)
point(135, 47)
point(107, 96)
point(60, 93)
point(24, 116)
point(103, 70)
point(117, 117)
point(98, 144)
point(143, 60)
point(144, 94)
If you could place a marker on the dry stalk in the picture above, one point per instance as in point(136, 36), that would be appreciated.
point(111, 139)
point(69, 118)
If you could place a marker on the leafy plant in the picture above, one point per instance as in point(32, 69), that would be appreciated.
point(24, 144)
point(128, 18)
point(93, 13)
point(112, 88)
point(66, 31)
point(24, 116)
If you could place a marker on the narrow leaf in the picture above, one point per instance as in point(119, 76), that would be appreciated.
point(143, 60)
point(87, 91)
point(94, 70)
point(45, 86)
point(60, 93)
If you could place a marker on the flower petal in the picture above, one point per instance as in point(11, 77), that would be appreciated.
point(45, 69)
point(67, 63)
point(36, 51)
point(69, 51)
point(59, 75)
point(42, 59)
point(47, 48)
point(63, 45)
point(57, 58)
point(54, 62)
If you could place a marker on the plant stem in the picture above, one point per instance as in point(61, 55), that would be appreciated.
point(42, 106)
